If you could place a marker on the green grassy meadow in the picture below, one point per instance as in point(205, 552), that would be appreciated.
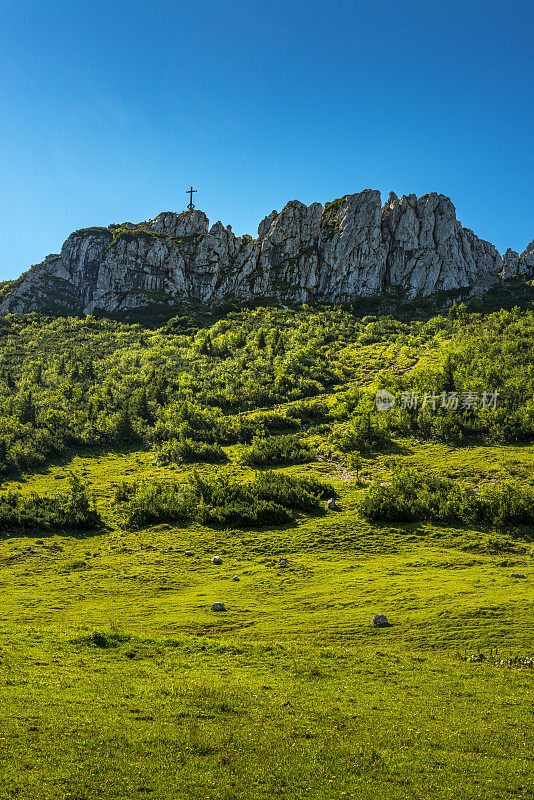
point(117, 681)
point(291, 692)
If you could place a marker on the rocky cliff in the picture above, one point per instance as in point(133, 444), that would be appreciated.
point(352, 247)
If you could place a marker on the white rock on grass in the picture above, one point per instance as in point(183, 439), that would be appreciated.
point(216, 560)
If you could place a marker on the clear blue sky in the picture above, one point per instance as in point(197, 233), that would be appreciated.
point(110, 110)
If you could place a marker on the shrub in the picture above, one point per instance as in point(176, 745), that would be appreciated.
point(277, 450)
point(271, 498)
point(188, 451)
point(275, 421)
point(310, 411)
point(156, 502)
point(412, 496)
point(301, 493)
point(362, 434)
point(70, 510)
point(508, 503)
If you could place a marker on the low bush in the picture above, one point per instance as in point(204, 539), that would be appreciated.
point(412, 496)
point(70, 510)
point(271, 498)
point(363, 435)
point(154, 502)
point(275, 421)
point(313, 411)
point(188, 451)
point(277, 450)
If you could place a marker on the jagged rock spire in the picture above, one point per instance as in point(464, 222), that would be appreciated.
point(353, 246)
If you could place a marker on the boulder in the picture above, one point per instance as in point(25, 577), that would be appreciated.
point(216, 560)
point(218, 607)
point(380, 621)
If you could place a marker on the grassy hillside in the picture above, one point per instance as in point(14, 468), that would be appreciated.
point(116, 678)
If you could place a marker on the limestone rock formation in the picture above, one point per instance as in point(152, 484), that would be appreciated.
point(515, 265)
point(428, 250)
point(528, 256)
point(511, 263)
point(352, 247)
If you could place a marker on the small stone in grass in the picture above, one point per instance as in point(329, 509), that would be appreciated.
point(216, 560)
point(235, 578)
point(188, 553)
point(517, 575)
point(380, 621)
point(218, 607)
point(283, 562)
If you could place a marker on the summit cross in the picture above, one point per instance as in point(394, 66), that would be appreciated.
point(190, 193)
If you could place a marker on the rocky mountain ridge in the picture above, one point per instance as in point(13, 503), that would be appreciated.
point(352, 247)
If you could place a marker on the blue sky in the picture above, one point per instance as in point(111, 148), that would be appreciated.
point(110, 110)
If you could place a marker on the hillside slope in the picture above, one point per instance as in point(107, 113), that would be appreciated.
point(131, 457)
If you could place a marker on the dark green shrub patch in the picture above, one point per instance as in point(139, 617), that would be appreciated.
point(70, 510)
point(188, 451)
point(412, 496)
point(268, 499)
point(363, 434)
point(277, 450)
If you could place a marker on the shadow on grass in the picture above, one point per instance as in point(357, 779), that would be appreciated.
point(86, 451)
point(393, 448)
point(49, 533)
point(496, 539)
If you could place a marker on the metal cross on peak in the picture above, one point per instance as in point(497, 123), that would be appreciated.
point(190, 193)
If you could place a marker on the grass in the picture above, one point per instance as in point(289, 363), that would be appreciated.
point(291, 693)
point(196, 718)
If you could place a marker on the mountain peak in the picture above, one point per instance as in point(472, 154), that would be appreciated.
point(352, 247)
